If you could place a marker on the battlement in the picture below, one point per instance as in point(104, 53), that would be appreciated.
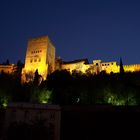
point(132, 68)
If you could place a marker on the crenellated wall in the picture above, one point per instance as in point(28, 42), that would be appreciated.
point(132, 68)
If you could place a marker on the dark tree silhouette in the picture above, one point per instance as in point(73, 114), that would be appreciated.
point(19, 63)
point(36, 78)
point(121, 66)
point(7, 62)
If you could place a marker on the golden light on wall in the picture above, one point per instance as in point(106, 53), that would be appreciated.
point(40, 55)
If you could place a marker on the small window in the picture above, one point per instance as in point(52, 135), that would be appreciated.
point(96, 64)
point(31, 61)
point(102, 64)
point(35, 60)
point(112, 63)
point(39, 59)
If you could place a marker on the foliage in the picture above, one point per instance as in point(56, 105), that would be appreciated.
point(121, 67)
point(36, 78)
point(4, 100)
point(94, 89)
point(64, 88)
point(41, 95)
point(45, 96)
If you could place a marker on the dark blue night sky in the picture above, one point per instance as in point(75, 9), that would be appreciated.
point(93, 29)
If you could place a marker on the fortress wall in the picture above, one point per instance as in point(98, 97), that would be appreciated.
point(36, 54)
point(80, 66)
point(110, 67)
point(51, 57)
point(7, 68)
point(132, 68)
point(40, 55)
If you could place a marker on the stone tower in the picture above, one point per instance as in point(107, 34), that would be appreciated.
point(40, 55)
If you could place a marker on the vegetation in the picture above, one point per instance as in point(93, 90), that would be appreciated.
point(64, 88)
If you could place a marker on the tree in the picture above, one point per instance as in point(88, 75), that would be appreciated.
point(7, 62)
point(36, 78)
point(121, 67)
point(19, 63)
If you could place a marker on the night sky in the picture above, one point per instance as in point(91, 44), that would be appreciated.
point(93, 29)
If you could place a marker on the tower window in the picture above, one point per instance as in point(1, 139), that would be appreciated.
point(39, 59)
point(31, 61)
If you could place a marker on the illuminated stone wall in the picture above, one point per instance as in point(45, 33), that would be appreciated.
point(8, 68)
point(95, 68)
point(110, 67)
point(78, 66)
point(132, 68)
point(51, 57)
point(40, 55)
point(99, 66)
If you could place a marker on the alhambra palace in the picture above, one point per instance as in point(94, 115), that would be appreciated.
point(40, 55)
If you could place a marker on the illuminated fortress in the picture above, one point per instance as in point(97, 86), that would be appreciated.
point(40, 55)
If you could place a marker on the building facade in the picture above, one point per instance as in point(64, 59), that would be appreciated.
point(95, 68)
point(9, 68)
point(40, 55)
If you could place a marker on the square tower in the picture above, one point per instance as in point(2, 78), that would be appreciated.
point(40, 55)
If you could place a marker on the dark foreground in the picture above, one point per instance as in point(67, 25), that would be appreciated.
point(87, 123)
point(100, 122)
